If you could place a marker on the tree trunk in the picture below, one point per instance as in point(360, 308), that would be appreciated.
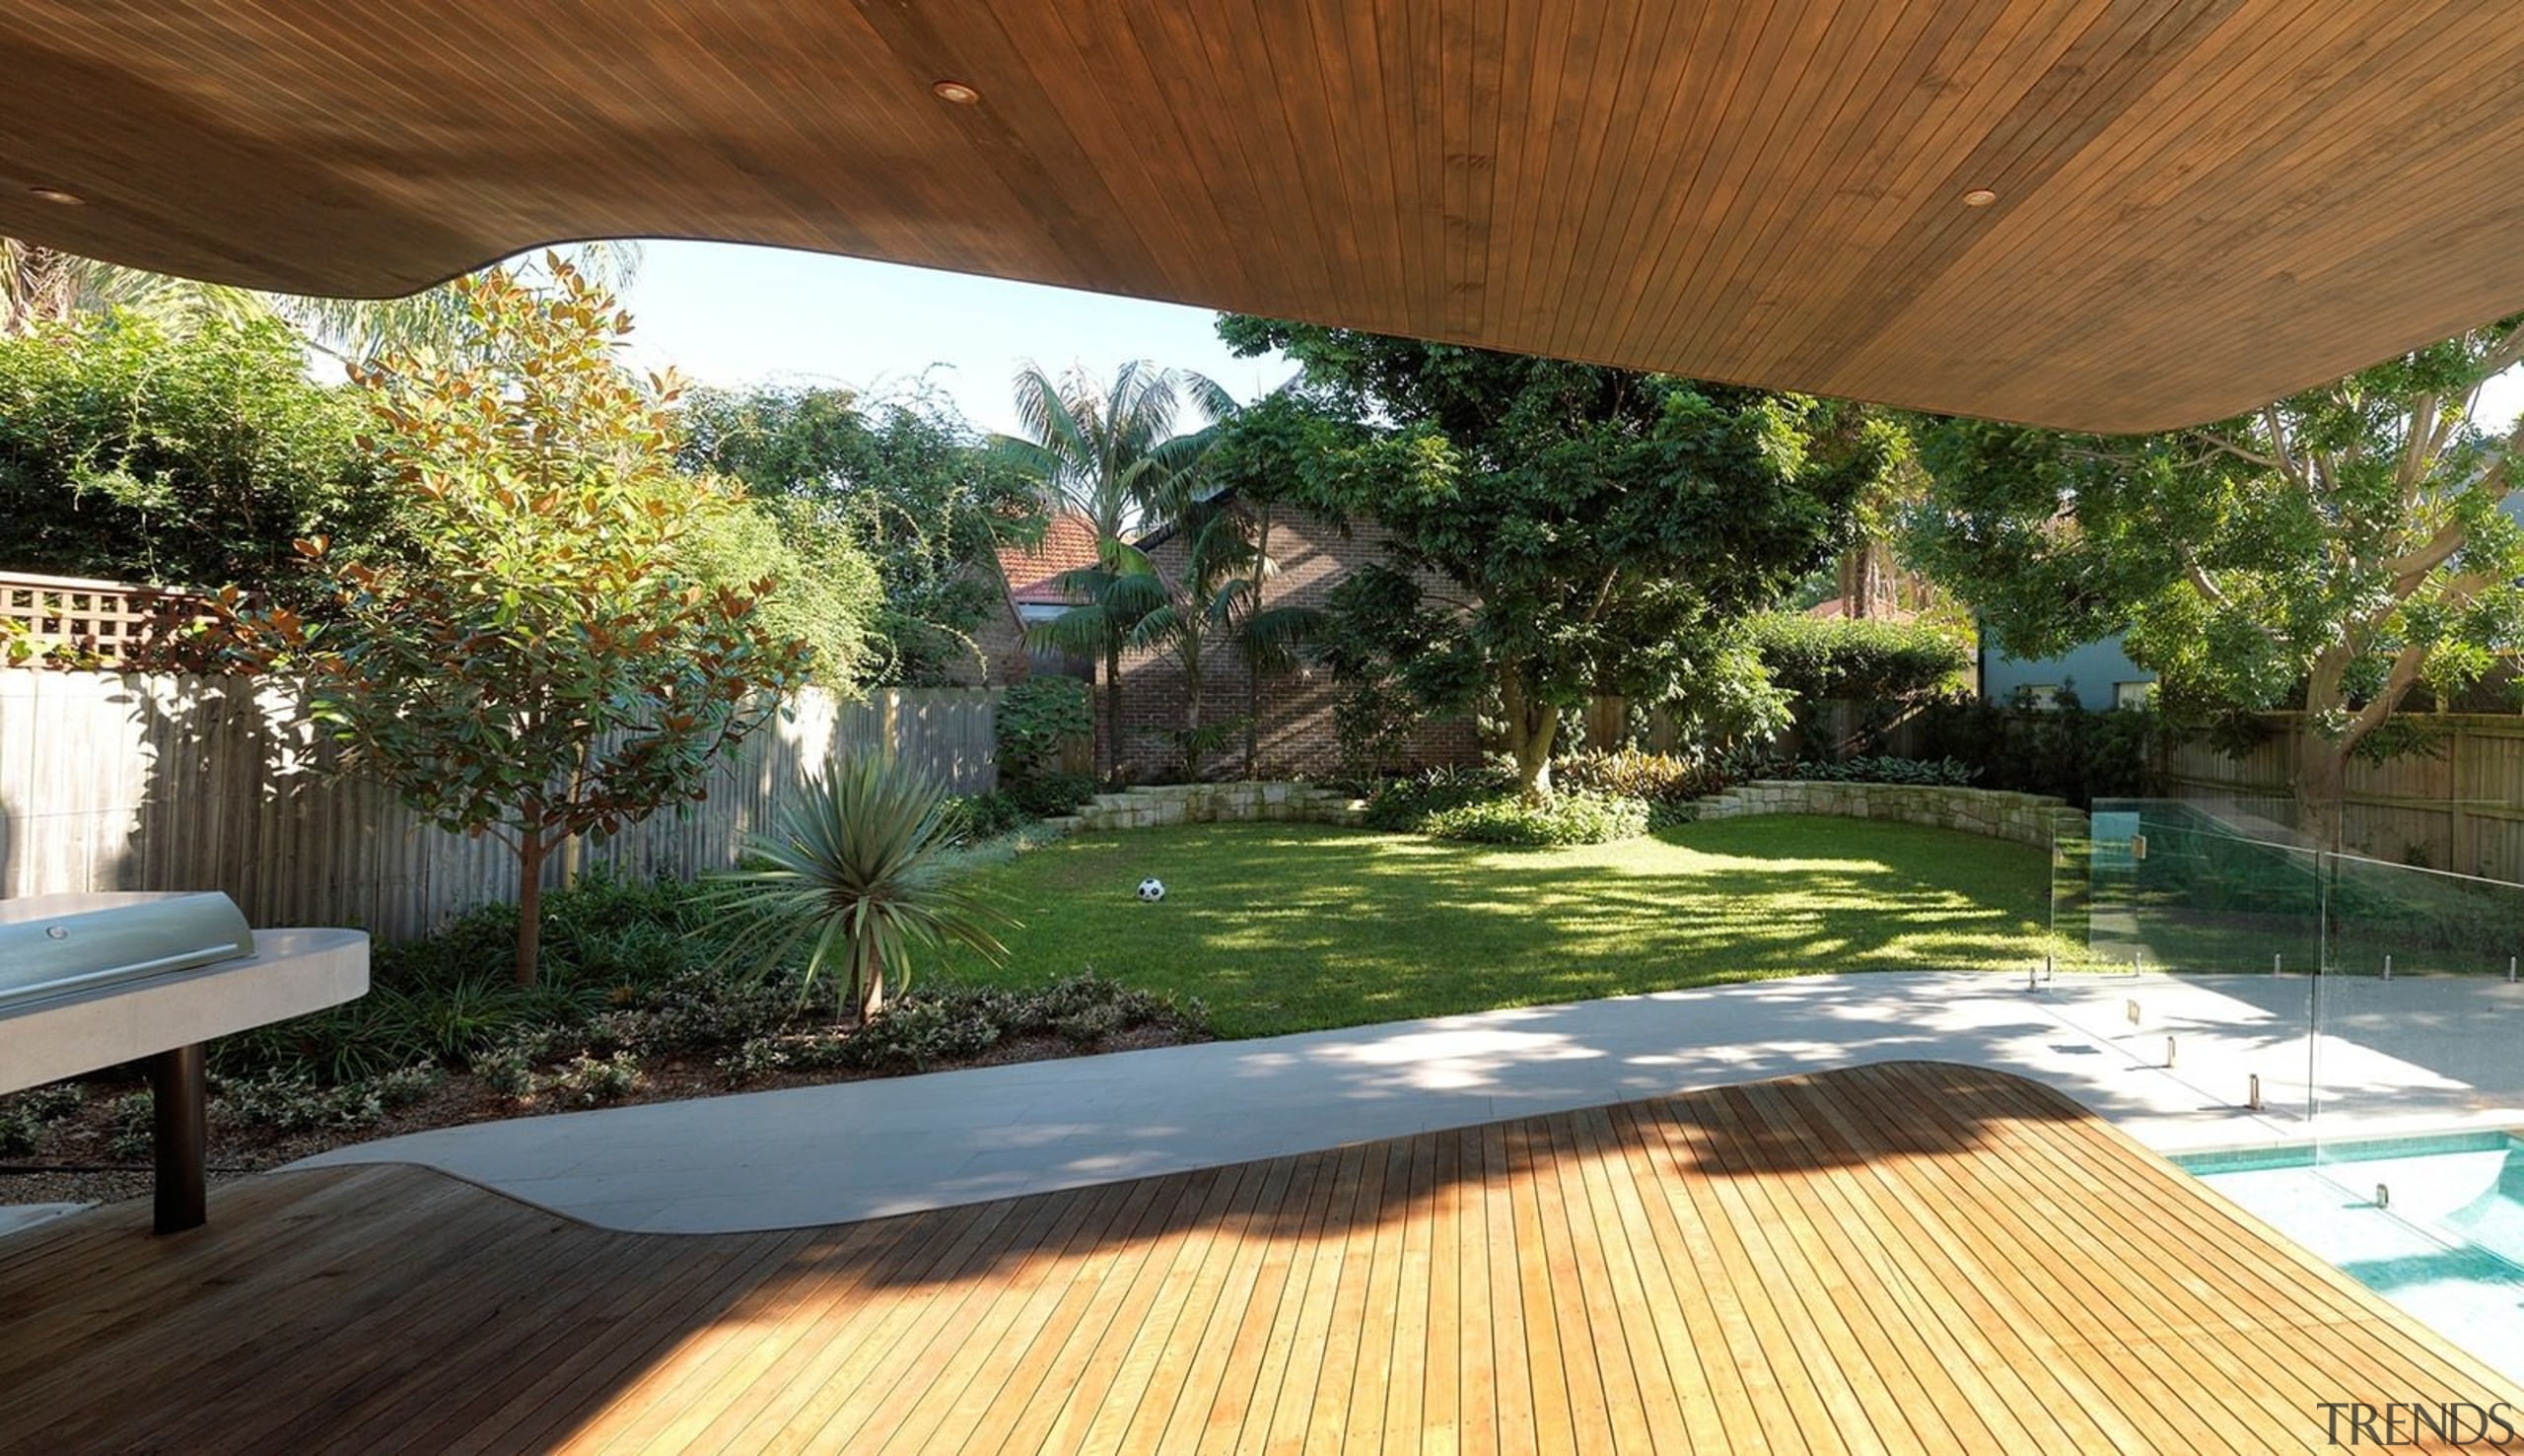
point(1867, 579)
point(867, 983)
point(1533, 762)
point(1252, 668)
point(530, 849)
point(1531, 726)
point(2320, 782)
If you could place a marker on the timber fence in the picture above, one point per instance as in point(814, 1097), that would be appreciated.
point(2458, 805)
point(113, 782)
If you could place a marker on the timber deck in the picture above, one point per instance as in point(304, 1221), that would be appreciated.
point(1900, 1256)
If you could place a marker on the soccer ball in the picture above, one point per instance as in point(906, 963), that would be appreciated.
point(1152, 889)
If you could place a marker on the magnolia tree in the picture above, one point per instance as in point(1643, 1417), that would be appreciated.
point(2328, 553)
point(540, 669)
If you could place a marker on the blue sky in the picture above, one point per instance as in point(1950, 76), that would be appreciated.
point(728, 314)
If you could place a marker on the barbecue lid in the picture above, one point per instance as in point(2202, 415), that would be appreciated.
point(54, 945)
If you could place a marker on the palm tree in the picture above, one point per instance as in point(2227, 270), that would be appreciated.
point(859, 873)
point(1215, 597)
point(1112, 454)
point(40, 284)
point(1267, 638)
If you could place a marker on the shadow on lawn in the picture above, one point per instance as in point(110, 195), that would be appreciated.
point(1282, 928)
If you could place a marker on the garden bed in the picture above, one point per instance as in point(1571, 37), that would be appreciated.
point(1265, 929)
point(79, 1160)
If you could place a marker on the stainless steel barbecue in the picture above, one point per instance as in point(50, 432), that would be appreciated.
point(58, 945)
point(92, 980)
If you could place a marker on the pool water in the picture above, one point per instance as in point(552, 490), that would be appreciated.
point(2447, 1245)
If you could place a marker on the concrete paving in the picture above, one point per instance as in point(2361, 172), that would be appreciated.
point(15, 1217)
point(2415, 1052)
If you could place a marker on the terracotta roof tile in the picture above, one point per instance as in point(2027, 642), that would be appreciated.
point(1068, 544)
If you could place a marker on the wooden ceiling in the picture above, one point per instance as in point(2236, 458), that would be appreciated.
point(2201, 204)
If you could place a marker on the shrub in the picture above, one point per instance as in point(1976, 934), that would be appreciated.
point(507, 1070)
point(980, 816)
point(1657, 777)
point(1938, 772)
point(2069, 752)
point(952, 1023)
point(28, 1115)
point(1034, 718)
point(1575, 817)
point(295, 1105)
point(446, 999)
point(1950, 773)
point(1861, 660)
point(600, 932)
point(587, 1080)
point(1406, 803)
point(1884, 668)
point(1051, 796)
point(191, 457)
point(132, 1118)
point(855, 878)
point(20, 1131)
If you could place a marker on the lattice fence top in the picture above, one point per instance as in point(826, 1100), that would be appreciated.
point(72, 621)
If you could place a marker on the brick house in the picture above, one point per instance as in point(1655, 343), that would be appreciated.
point(1295, 714)
point(1025, 574)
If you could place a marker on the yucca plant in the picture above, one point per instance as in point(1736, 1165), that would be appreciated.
point(858, 875)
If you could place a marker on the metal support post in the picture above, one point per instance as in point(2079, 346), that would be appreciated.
point(178, 1092)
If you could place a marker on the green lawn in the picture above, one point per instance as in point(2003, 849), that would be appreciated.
point(1291, 928)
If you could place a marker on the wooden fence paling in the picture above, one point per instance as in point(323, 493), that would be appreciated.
point(157, 782)
point(2461, 809)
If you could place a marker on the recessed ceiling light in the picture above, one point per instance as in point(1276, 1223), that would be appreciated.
point(56, 194)
point(1979, 197)
point(956, 92)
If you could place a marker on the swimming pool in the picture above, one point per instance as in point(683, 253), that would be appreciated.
point(2446, 1243)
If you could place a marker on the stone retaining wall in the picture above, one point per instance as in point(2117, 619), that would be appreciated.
point(1214, 803)
point(2024, 818)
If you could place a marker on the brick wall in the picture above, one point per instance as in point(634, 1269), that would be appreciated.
point(1001, 642)
point(1296, 720)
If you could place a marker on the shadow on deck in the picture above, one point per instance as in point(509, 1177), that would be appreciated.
point(1905, 1255)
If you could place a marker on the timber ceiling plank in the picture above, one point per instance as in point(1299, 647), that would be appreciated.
point(2200, 203)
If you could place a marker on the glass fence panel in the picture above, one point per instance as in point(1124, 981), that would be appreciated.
point(2419, 1020)
point(2178, 888)
point(2350, 993)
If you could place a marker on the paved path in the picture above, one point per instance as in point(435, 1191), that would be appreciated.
point(817, 1155)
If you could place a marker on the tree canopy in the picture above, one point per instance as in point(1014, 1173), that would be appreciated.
point(547, 664)
point(1113, 454)
point(41, 286)
point(130, 452)
point(2328, 553)
point(904, 479)
point(1552, 530)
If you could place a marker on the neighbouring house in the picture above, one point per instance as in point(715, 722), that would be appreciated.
point(2099, 672)
point(1296, 720)
point(1029, 574)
